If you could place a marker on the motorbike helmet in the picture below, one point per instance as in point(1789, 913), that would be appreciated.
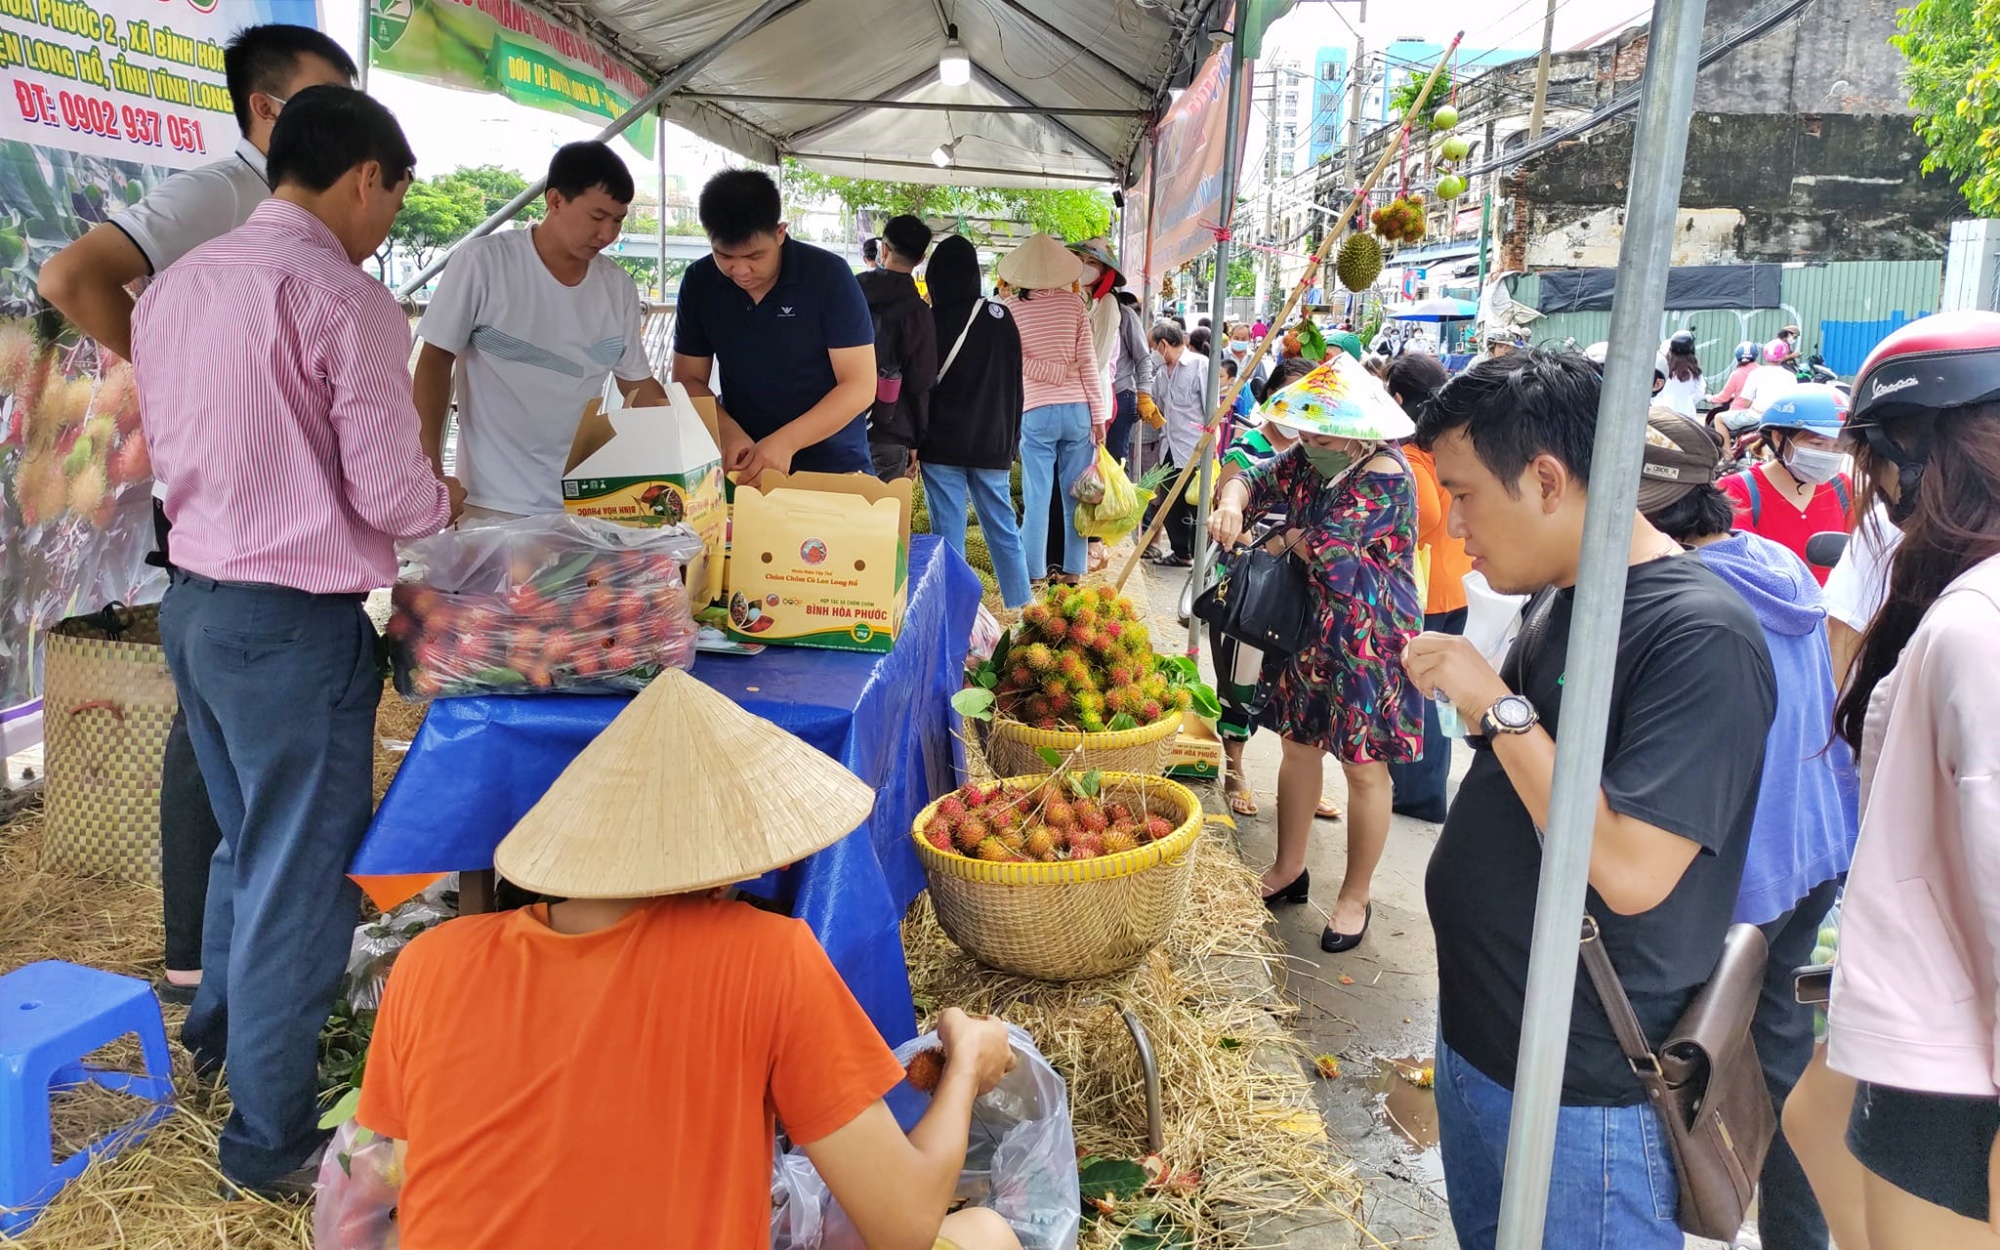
point(1813, 407)
point(1944, 361)
point(1747, 352)
point(1777, 352)
point(1681, 344)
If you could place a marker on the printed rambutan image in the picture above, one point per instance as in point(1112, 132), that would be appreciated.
point(131, 462)
point(17, 354)
point(118, 397)
point(66, 402)
point(925, 1070)
point(87, 490)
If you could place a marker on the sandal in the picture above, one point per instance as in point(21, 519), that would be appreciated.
point(1327, 810)
point(1243, 802)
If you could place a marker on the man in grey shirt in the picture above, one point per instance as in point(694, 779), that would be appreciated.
point(1180, 386)
point(1131, 379)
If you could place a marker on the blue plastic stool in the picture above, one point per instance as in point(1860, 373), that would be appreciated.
point(52, 1014)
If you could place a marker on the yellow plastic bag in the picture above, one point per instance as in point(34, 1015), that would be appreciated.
point(1119, 511)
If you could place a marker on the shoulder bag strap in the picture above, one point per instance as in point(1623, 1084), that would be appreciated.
point(977, 305)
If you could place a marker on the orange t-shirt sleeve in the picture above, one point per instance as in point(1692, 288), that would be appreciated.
point(829, 1064)
point(1430, 501)
point(382, 1106)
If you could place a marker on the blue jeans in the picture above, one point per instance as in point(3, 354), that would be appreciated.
point(945, 489)
point(1118, 438)
point(1055, 447)
point(280, 688)
point(1613, 1187)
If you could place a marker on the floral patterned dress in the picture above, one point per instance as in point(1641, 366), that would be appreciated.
point(1347, 691)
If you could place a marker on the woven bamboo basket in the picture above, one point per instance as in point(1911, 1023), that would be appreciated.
point(1075, 919)
point(1014, 748)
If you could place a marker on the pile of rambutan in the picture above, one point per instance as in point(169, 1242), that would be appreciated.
point(1058, 818)
point(1080, 659)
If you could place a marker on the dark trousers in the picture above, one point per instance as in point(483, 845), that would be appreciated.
point(1419, 786)
point(891, 460)
point(280, 689)
point(1180, 513)
point(188, 838)
point(1788, 1216)
point(1125, 415)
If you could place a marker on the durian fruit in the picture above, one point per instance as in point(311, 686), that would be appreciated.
point(1359, 262)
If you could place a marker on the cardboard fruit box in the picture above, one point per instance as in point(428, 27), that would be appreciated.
point(820, 560)
point(1197, 752)
point(652, 466)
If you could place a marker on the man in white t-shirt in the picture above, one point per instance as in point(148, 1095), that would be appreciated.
point(532, 321)
point(1858, 584)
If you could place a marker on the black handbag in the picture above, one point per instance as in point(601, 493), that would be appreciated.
point(1265, 600)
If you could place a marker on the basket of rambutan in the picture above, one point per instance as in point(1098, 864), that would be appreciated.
point(1063, 876)
point(1078, 675)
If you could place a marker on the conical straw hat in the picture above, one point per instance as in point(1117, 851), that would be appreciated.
point(684, 791)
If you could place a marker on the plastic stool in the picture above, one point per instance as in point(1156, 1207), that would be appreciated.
point(52, 1014)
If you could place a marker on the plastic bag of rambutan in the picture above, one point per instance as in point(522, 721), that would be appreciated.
point(1020, 1159)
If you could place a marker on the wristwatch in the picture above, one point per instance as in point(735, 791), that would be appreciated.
point(1510, 714)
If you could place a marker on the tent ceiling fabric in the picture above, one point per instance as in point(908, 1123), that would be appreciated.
point(1119, 55)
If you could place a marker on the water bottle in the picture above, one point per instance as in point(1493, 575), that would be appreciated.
point(1449, 721)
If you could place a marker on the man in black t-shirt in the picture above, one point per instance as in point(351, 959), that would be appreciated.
point(1692, 698)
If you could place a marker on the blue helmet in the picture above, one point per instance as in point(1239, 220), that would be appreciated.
point(1813, 407)
point(1748, 352)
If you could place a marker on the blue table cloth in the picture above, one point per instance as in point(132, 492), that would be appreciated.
point(478, 764)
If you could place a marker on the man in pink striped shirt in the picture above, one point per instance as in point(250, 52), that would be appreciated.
point(275, 395)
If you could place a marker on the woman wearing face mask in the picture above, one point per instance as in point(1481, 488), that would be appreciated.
point(1802, 490)
point(1351, 517)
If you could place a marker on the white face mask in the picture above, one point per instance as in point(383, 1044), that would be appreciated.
point(1813, 466)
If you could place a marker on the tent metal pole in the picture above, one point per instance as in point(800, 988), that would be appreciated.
point(1218, 302)
point(675, 79)
point(660, 164)
point(362, 48)
point(1659, 149)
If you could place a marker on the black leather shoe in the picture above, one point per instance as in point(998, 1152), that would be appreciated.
point(1296, 892)
point(1334, 943)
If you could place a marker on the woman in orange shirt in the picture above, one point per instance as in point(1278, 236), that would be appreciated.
point(1419, 787)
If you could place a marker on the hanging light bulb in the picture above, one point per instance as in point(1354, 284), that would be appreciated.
point(944, 154)
point(954, 66)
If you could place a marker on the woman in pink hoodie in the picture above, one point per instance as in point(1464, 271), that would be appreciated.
point(1913, 1018)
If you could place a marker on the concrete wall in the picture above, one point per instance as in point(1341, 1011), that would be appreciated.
point(1835, 57)
point(1766, 187)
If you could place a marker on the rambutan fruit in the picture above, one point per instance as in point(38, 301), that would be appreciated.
point(1158, 827)
point(1054, 685)
point(1059, 814)
point(1014, 842)
point(1106, 593)
point(1151, 711)
point(970, 833)
point(951, 806)
point(992, 850)
point(1020, 677)
point(1056, 630)
point(1083, 637)
point(1074, 606)
point(1181, 700)
point(1115, 843)
point(1086, 846)
point(939, 837)
point(1060, 704)
point(1119, 674)
point(1048, 722)
point(1090, 722)
point(1118, 811)
point(1040, 842)
point(925, 1070)
point(1003, 818)
point(1038, 658)
point(1092, 820)
point(1036, 615)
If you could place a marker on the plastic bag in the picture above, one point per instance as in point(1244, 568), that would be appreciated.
point(541, 604)
point(986, 634)
point(1088, 487)
point(354, 1203)
point(1020, 1160)
point(377, 943)
point(1119, 511)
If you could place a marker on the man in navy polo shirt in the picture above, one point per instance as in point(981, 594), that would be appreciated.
point(791, 328)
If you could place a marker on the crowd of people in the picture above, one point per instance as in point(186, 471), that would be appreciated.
point(1771, 743)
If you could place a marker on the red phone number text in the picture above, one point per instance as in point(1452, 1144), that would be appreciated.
point(97, 115)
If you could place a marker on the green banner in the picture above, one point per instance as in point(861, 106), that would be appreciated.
point(507, 48)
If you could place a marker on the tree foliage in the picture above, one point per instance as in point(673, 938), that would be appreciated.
point(438, 212)
point(1403, 97)
point(1953, 48)
point(1071, 215)
point(496, 186)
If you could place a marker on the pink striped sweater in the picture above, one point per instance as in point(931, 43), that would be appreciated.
point(1058, 357)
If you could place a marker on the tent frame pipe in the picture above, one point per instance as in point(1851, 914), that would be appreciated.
point(674, 80)
point(1067, 38)
point(1093, 180)
point(1659, 150)
point(888, 99)
point(1218, 303)
point(1005, 92)
point(929, 106)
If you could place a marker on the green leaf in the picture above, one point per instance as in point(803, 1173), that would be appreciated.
point(1050, 756)
point(1206, 705)
point(973, 704)
point(342, 1111)
point(1117, 1179)
point(988, 678)
point(1230, 1043)
point(497, 676)
point(551, 580)
point(1180, 670)
point(1122, 721)
point(1090, 783)
point(1001, 650)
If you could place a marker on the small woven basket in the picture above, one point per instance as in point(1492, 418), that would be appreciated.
point(1075, 919)
point(1014, 748)
point(107, 703)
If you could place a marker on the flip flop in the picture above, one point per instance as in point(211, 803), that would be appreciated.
point(1242, 802)
point(1327, 810)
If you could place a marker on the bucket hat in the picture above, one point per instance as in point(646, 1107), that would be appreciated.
point(1040, 263)
point(1099, 250)
point(1339, 399)
point(1679, 456)
point(684, 791)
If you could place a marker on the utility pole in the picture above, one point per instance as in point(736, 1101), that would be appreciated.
point(1270, 283)
point(1356, 76)
point(1542, 74)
